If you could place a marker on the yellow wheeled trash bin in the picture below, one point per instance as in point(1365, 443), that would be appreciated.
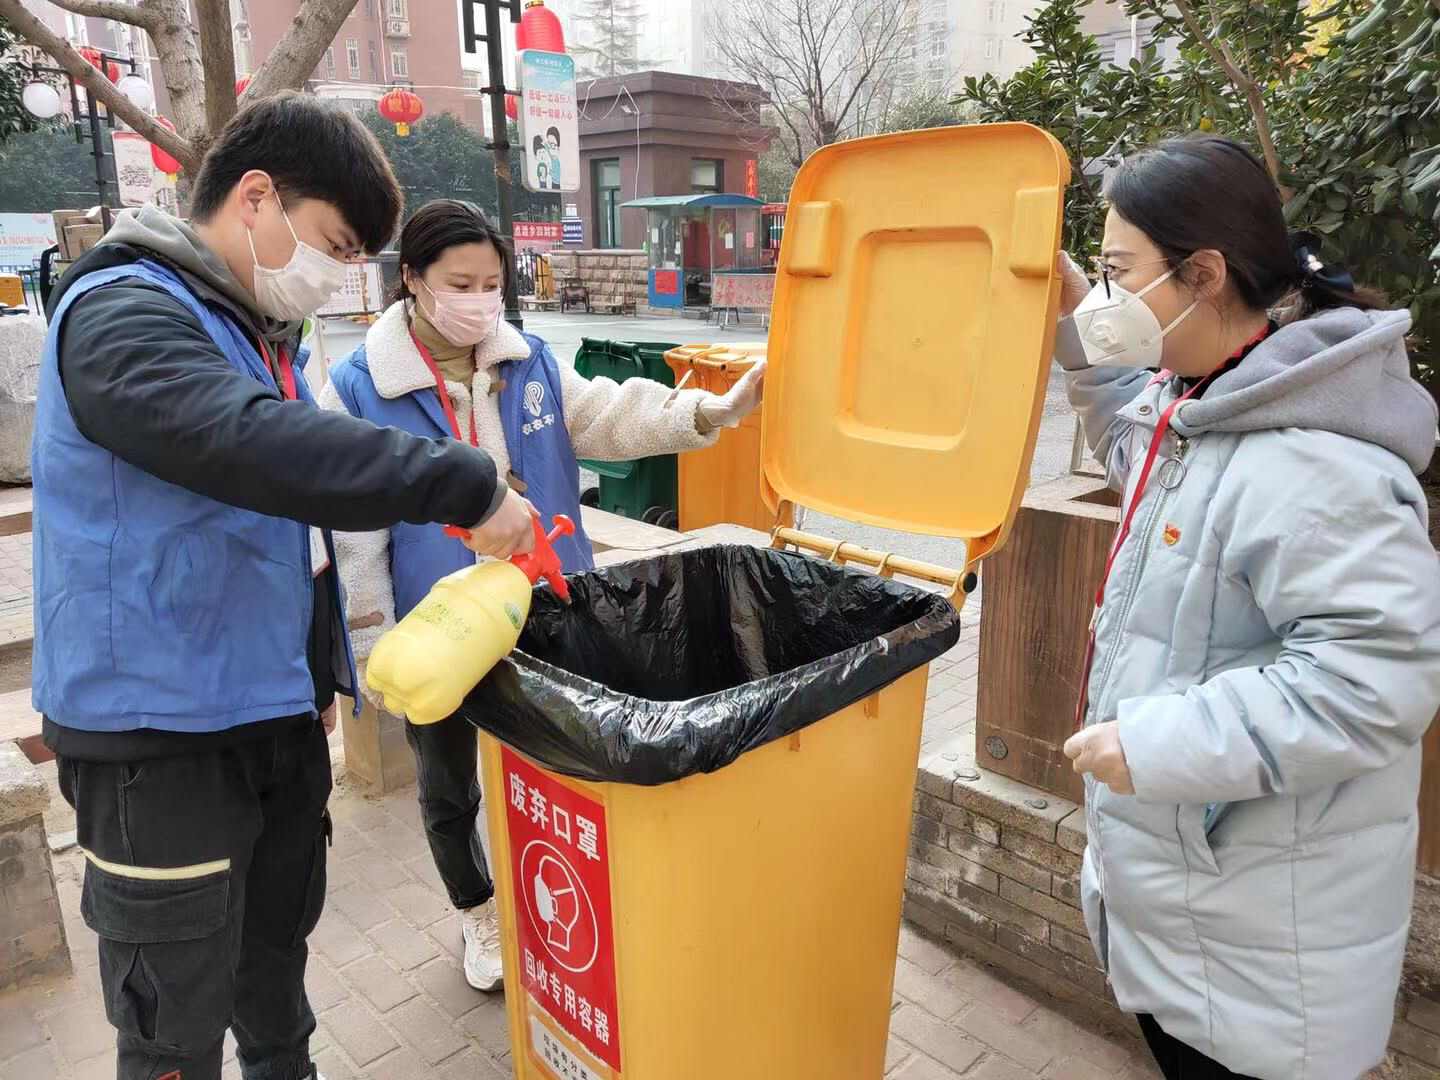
point(700, 773)
point(724, 484)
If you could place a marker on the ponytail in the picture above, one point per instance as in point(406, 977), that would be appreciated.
point(1320, 286)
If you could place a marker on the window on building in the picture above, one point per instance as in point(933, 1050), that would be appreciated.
point(396, 9)
point(374, 65)
point(607, 202)
point(992, 11)
point(330, 64)
point(471, 80)
point(990, 48)
point(399, 62)
point(242, 55)
point(352, 57)
point(707, 176)
point(369, 9)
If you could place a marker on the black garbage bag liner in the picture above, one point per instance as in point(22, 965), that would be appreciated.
point(680, 663)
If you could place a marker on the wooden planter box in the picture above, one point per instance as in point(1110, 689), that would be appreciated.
point(1039, 592)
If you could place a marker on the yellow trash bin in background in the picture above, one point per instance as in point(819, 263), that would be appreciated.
point(700, 775)
point(724, 484)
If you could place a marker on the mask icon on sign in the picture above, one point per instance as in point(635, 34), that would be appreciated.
point(556, 901)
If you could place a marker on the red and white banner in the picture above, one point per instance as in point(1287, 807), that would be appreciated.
point(564, 926)
point(537, 235)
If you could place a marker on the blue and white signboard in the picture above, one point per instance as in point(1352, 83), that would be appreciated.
point(549, 120)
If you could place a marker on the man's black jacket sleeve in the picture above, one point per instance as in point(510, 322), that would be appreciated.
point(145, 381)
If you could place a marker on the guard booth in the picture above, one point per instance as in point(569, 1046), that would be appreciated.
point(691, 238)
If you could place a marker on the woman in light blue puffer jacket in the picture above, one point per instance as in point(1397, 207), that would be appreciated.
point(1266, 644)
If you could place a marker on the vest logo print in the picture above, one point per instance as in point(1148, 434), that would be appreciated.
point(1171, 536)
point(534, 402)
point(534, 398)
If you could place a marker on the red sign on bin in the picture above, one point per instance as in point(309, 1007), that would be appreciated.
point(560, 866)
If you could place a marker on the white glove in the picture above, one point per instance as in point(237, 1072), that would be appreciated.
point(740, 402)
point(1074, 285)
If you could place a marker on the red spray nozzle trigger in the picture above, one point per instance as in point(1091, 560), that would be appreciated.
point(543, 562)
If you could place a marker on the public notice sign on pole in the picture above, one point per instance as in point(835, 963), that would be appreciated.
point(140, 182)
point(549, 120)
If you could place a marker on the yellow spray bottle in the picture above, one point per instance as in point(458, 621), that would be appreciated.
point(466, 624)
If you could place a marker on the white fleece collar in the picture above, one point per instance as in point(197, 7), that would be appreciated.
point(397, 368)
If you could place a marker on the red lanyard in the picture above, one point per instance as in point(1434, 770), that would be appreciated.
point(445, 394)
point(1161, 429)
point(285, 370)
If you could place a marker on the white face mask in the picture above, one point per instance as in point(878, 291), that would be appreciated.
point(1120, 330)
point(465, 318)
point(308, 281)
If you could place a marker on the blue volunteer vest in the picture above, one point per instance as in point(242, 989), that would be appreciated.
point(536, 438)
point(156, 607)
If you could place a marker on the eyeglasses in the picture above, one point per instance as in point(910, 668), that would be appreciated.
point(1106, 270)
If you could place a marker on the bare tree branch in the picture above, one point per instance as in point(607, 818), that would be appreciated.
point(120, 12)
point(1220, 52)
point(34, 31)
point(217, 60)
point(299, 50)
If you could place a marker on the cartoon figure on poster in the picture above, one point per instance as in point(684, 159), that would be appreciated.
point(549, 125)
point(545, 152)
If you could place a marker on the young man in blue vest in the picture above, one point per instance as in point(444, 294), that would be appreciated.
point(189, 633)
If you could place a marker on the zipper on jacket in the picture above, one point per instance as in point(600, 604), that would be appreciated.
point(1177, 459)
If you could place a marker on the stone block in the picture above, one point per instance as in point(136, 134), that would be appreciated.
point(375, 748)
point(23, 794)
point(1070, 834)
point(1005, 913)
point(1087, 977)
point(1007, 801)
point(1043, 904)
point(958, 819)
point(1051, 856)
point(1005, 863)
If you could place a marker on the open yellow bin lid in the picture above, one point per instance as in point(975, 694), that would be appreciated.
point(912, 328)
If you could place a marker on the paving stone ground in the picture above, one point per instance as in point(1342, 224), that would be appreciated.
point(15, 588)
point(392, 1004)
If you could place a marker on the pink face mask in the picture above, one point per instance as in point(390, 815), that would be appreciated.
point(465, 318)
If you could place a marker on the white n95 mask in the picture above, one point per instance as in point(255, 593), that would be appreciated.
point(1118, 328)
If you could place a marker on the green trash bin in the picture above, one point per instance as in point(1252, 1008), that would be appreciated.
point(645, 489)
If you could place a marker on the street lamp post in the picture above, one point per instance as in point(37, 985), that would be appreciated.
point(97, 143)
point(499, 129)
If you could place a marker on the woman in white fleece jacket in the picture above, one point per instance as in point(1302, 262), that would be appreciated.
point(441, 363)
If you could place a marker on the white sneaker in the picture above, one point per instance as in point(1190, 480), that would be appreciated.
point(481, 929)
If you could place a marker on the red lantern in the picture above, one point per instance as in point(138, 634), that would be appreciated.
point(92, 56)
point(401, 108)
point(163, 161)
point(539, 29)
point(241, 83)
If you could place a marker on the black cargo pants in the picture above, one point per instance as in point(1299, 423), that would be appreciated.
point(204, 874)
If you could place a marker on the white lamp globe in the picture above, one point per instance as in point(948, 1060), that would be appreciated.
point(41, 100)
point(140, 92)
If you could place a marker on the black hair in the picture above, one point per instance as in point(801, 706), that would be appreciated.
point(1205, 192)
point(554, 131)
point(440, 225)
point(538, 143)
point(312, 149)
